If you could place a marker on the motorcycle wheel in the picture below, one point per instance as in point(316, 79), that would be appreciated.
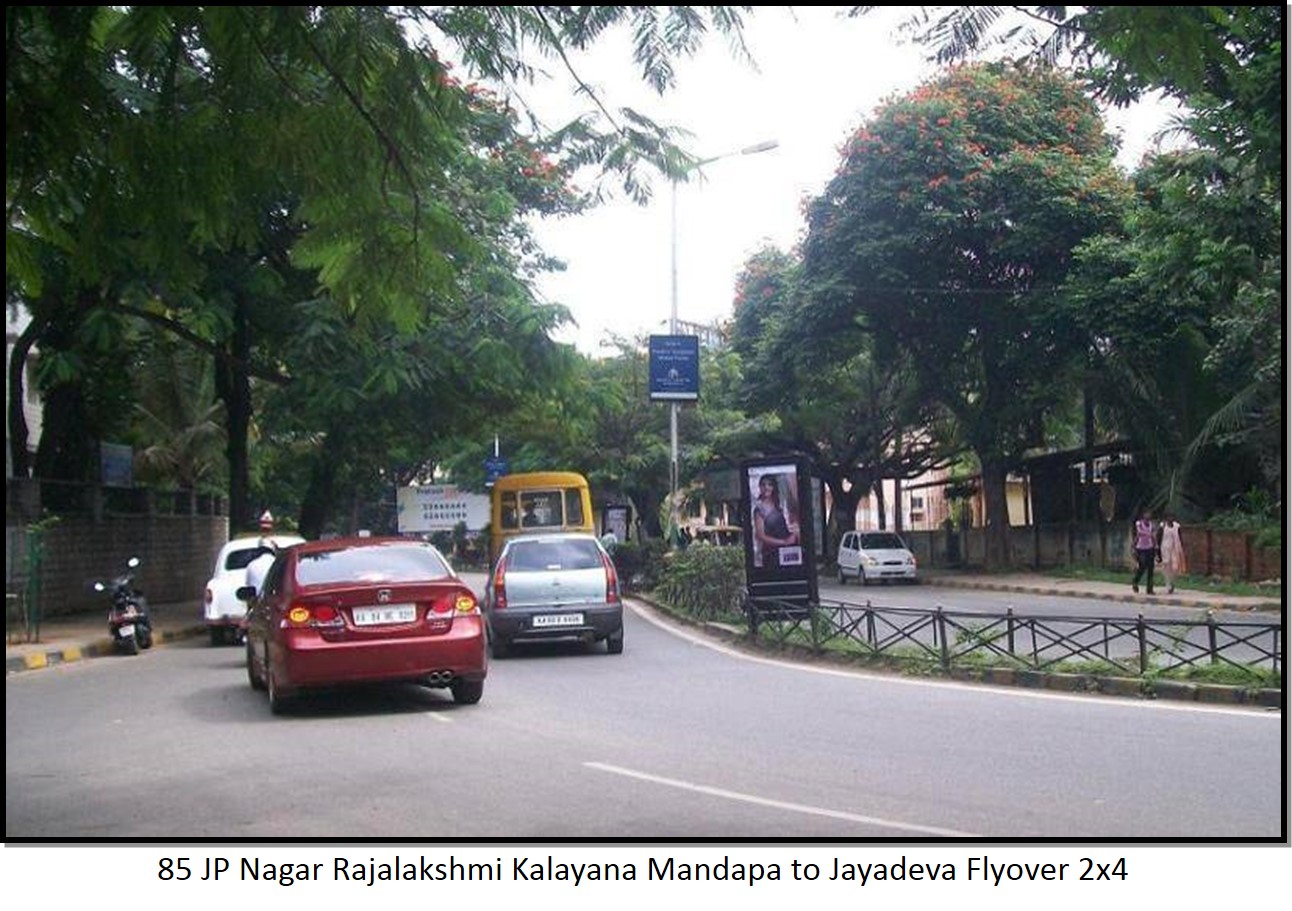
point(130, 645)
point(146, 640)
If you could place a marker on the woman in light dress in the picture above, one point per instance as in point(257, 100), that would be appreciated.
point(1172, 551)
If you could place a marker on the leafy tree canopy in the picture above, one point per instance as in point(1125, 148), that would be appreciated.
point(948, 230)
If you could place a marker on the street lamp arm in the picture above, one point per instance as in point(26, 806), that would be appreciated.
point(766, 146)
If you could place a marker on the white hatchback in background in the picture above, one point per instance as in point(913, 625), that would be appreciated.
point(875, 556)
point(224, 613)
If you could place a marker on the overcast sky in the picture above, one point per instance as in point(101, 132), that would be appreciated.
point(819, 76)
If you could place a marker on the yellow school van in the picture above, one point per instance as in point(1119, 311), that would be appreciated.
point(538, 501)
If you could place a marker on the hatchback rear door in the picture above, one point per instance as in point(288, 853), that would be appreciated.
point(554, 571)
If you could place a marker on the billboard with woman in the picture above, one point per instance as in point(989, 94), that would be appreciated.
point(779, 540)
point(774, 516)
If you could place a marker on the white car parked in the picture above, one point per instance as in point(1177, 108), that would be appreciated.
point(875, 555)
point(225, 614)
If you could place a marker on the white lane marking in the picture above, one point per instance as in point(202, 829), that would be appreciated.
point(647, 614)
point(780, 804)
point(436, 716)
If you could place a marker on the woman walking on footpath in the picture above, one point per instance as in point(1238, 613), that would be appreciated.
point(1172, 550)
point(1144, 540)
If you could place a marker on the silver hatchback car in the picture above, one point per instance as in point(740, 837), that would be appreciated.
point(554, 586)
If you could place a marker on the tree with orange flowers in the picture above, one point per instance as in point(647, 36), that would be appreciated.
point(946, 234)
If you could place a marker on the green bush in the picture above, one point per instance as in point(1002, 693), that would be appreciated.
point(1271, 536)
point(705, 581)
point(639, 563)
point(1255, 511)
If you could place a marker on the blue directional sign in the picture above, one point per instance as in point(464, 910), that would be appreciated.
point(674, 368)
point(495, 467)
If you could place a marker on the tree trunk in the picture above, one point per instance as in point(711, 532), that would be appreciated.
point(843, 513)
point(881, 507)
point(648, 519)
point(997, 511)
point(898, 523)
point(70, 432)
point(233, 385)
point(316, 508)
point(19, 458)
point(67, 441)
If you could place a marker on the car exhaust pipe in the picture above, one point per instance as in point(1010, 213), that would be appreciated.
point(439, 678)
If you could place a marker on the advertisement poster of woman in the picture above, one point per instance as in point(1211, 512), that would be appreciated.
point(773, 495)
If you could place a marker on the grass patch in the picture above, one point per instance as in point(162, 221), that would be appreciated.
point(1223, 675)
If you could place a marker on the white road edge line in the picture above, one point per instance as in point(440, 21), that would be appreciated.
point(436, 716)
point(647, 614)
point(780, 804)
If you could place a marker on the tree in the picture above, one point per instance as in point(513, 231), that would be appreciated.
point(949, 229)
point(1222, 246)
point(836, 399)
point(325, 143)
point(177, 416)
point(1184, 340)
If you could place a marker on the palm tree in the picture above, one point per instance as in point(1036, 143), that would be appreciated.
point(177, 417)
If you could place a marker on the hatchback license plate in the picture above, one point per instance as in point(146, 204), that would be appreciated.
point(550, 620)
point(387, 613)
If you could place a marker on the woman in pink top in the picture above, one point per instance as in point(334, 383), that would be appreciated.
point(1144, 541)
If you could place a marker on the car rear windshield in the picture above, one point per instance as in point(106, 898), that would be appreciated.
point(882, 542)
point(387, 563)
point(557, 554)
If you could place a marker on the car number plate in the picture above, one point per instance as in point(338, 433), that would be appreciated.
point(126, 630)
point(550, 620)
point(387, 613)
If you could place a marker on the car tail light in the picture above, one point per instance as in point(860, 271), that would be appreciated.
point(465, 604)
point(500, 584)
point(612, 580)
point(315, 615)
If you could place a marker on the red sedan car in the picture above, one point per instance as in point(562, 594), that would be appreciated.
point(363, 610)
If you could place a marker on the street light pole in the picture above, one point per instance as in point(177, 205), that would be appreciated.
point(674, 506)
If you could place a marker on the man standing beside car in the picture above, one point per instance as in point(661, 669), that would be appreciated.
point(258, 568)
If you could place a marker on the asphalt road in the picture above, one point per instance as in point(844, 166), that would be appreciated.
point(674, 739)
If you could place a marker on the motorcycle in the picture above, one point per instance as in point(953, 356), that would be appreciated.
point(128, 619)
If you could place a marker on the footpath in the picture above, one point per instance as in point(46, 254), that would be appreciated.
point(75, 637)
point(1039, 584)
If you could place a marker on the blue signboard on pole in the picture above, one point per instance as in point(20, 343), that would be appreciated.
point(495, 467)
point(674, 368)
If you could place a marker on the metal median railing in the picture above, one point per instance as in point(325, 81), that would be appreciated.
point(1131, 646)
